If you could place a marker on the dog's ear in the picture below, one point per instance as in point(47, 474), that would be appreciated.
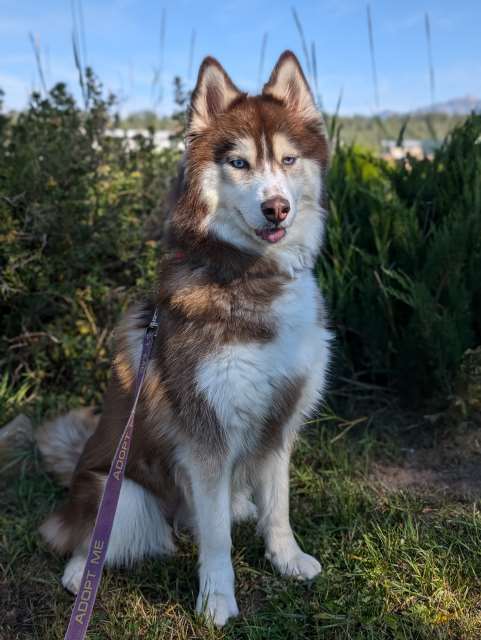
point(288, 83)
point(213, 94)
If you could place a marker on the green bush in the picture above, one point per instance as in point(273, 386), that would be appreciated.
point(81, 216)
point(74, 207)
point(402, 264)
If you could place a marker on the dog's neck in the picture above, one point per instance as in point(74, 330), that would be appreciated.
point(222, 261)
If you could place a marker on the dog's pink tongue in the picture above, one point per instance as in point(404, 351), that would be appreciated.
point(271, 235)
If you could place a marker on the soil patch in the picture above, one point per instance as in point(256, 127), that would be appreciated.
point(445, 464)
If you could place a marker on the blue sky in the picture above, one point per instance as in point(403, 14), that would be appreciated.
point(122, 42)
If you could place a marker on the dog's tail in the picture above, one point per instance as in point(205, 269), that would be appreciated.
point(61, 441)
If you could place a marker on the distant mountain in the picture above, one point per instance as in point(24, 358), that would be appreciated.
point(388, 113)
point(455, 107)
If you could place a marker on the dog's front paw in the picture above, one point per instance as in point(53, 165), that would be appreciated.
point(302, 566)
point(218, 606)
point(295, 563)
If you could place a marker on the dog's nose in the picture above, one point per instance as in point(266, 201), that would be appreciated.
point(276, 209)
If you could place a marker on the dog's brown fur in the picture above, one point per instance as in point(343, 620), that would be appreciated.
point(210, 294)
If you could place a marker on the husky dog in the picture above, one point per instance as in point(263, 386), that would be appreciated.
point(241, 353)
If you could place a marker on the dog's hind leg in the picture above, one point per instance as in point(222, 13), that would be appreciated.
point(139, 530)
point(73, 572)
point(242, 507)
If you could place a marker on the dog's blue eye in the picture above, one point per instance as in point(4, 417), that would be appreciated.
point(239, 163)
point(289, 160)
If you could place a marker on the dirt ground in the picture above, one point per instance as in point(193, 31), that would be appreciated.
point(445, 464)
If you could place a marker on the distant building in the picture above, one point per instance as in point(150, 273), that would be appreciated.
point(161, 137)
point(415, 148)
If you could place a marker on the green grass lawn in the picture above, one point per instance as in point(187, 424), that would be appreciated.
point(400, 551)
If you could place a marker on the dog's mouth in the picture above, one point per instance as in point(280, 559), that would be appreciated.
point(270, 234)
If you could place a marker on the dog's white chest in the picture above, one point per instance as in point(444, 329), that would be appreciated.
point(241, 379)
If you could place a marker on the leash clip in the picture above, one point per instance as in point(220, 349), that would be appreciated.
point(154, 323)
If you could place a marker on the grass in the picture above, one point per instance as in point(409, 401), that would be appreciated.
point(397, 564)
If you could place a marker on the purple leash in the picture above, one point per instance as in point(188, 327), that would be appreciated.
point(99, 542)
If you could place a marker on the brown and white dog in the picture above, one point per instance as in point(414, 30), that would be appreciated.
point(241, 354)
